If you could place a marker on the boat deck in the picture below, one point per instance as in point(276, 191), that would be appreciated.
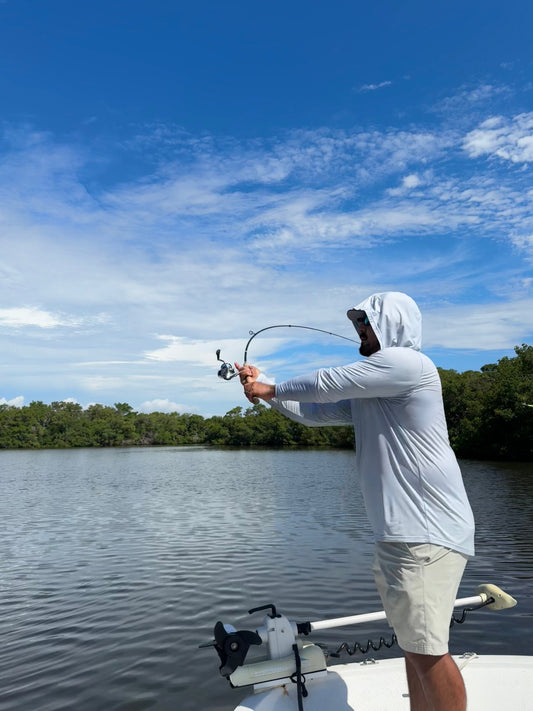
point(492, 682)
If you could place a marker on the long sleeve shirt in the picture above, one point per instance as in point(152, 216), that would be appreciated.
point(410, 479)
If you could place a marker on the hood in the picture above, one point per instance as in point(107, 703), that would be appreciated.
point(395, 319)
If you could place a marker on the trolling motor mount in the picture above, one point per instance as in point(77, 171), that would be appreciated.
point(278, 639)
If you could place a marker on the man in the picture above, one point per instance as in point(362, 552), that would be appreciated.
point(411, 482)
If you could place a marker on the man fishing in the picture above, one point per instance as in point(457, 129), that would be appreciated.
point(410, 479)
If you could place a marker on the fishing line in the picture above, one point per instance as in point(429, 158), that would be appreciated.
point(227, 371)
point(290, 325)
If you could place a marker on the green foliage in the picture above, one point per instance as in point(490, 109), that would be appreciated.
point(489, 414)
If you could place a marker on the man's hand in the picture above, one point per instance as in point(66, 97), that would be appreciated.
point(253, 390)
point(248, 375)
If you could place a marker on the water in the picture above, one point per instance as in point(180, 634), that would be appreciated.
point(116, 564)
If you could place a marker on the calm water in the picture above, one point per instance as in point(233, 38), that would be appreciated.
point(116, 564)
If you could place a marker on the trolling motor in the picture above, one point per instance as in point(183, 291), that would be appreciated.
point(284, 655)
point(286, 658)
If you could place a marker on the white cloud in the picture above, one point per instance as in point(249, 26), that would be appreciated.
point(31, 316)
point(468, 98)
point(497, 325)
point(203, 353)
point(524, 242)
point(14, 402)
point(409, 182)
point(162, 405)
point(101, 383)
point(508, 139)
point(375, 87)
point(191, 352)
point(227, 236)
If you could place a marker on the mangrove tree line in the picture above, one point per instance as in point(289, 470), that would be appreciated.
point(489, 414)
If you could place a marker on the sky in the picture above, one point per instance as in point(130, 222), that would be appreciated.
point(175, 176)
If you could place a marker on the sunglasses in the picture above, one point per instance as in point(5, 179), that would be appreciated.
point(361, 322)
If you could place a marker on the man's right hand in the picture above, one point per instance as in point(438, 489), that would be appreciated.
point(253, 390)
point(247, 373)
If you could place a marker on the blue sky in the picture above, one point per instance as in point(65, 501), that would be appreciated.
point(174, 175)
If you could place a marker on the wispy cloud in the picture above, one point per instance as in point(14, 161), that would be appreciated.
point(21, 317)
point(491, 328)
point(473, 98)
point(507, 138)
point(374, 87)
point(124, 290)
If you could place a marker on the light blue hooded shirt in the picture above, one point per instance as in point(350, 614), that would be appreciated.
point(410, 479)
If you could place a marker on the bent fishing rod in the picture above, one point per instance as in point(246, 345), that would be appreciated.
point(227, 371)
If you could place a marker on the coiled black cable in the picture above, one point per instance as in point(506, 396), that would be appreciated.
point(371, 645)
point(364, 649)
point(466, 610)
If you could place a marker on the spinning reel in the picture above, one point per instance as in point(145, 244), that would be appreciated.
point(226, 370)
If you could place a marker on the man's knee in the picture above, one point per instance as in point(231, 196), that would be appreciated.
point(425, 663)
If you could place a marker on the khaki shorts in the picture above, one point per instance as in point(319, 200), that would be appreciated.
point(418, 584)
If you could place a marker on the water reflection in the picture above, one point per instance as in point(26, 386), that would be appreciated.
point(117, 563)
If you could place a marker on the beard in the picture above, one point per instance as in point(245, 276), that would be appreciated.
point(368, 347)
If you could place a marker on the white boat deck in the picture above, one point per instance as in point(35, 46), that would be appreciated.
point(492, 683)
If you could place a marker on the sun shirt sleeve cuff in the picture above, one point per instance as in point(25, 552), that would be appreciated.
point(262, 378)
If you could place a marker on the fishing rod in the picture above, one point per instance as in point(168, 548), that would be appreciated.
point(227, 371)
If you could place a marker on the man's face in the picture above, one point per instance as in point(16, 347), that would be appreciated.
point(369, 341)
